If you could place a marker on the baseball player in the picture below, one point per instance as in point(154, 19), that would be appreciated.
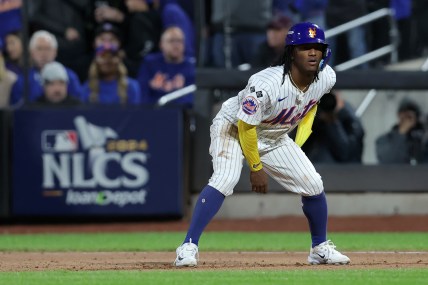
point(255, 124)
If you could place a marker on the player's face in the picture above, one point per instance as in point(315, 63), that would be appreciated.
point(307, 57)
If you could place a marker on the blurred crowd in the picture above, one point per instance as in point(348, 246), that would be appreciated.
point(104, 52)
point(133, 52)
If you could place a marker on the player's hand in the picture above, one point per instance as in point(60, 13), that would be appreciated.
point(407, 121)
point(107, 13)
point(259, 181)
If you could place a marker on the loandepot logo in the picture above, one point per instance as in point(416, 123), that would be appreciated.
point(106, 197)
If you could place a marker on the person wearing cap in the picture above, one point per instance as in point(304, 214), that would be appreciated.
point(55, 79)
point(255, 125)
point(107, 34)
point(108, 82)
point(43, 50)
point(143, 30)
point(271, 49)
point(9, 86)
point(406, 142)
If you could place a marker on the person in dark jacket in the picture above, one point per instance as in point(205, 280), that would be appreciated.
point(342, 11)
point(271, 49)
point(404, 143)
point(67, 21)
point(338, 133)
point(238, 28)
point(143, 33)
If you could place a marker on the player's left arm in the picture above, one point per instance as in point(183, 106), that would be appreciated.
point(305, 126)
point(248, 140)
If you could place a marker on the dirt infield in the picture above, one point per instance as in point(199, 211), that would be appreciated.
point(38, 261)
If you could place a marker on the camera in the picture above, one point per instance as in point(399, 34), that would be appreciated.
point(328, 103)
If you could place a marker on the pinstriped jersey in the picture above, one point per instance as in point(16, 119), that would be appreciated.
point(275, 108)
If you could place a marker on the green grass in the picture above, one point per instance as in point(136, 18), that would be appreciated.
point(215, 241)
point(210, 241)
point(189, 277)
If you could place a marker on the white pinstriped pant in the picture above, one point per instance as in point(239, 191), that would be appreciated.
point(286, 163)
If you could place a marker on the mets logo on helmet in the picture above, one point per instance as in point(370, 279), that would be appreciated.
point(249, 106)
point(312, 32)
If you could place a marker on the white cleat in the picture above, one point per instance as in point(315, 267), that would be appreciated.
point(187, 254)
point(325, 253)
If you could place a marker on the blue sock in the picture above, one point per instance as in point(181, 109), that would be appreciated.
point(208, 204)
point(315, 209)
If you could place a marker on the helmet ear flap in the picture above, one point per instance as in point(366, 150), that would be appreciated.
point(325, 58)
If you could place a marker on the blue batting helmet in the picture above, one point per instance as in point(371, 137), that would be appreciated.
point(305, 33)
point(308, 33)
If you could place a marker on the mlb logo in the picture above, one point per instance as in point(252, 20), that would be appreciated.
point(59, 141)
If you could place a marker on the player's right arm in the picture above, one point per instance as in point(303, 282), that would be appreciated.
point(248, 140)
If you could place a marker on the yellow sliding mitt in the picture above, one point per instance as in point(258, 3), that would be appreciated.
point(304, 129)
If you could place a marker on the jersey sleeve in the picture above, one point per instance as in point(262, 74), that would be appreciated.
point(254, 100)
point(330, 77)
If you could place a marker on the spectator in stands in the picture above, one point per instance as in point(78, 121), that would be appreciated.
point(186, 5)
point(167, 71)
point(420, 18)
point(342, 11)
point(403, 16)
point(8, 81)
point(108, 82)
point(110, 11)
point(286, 8)
point(143, 33)
point(113, 11)
point(376, 36)
point(10, 17)
point(407, 14)
point(312, 11)
point(66, 20)
point(43, 50)
point(338, 132)
point(238, 27)
point(55, 80)
point(404, 143)
point(14, 53)
point(173, 15)
point(270, 50)
point(108, 34)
